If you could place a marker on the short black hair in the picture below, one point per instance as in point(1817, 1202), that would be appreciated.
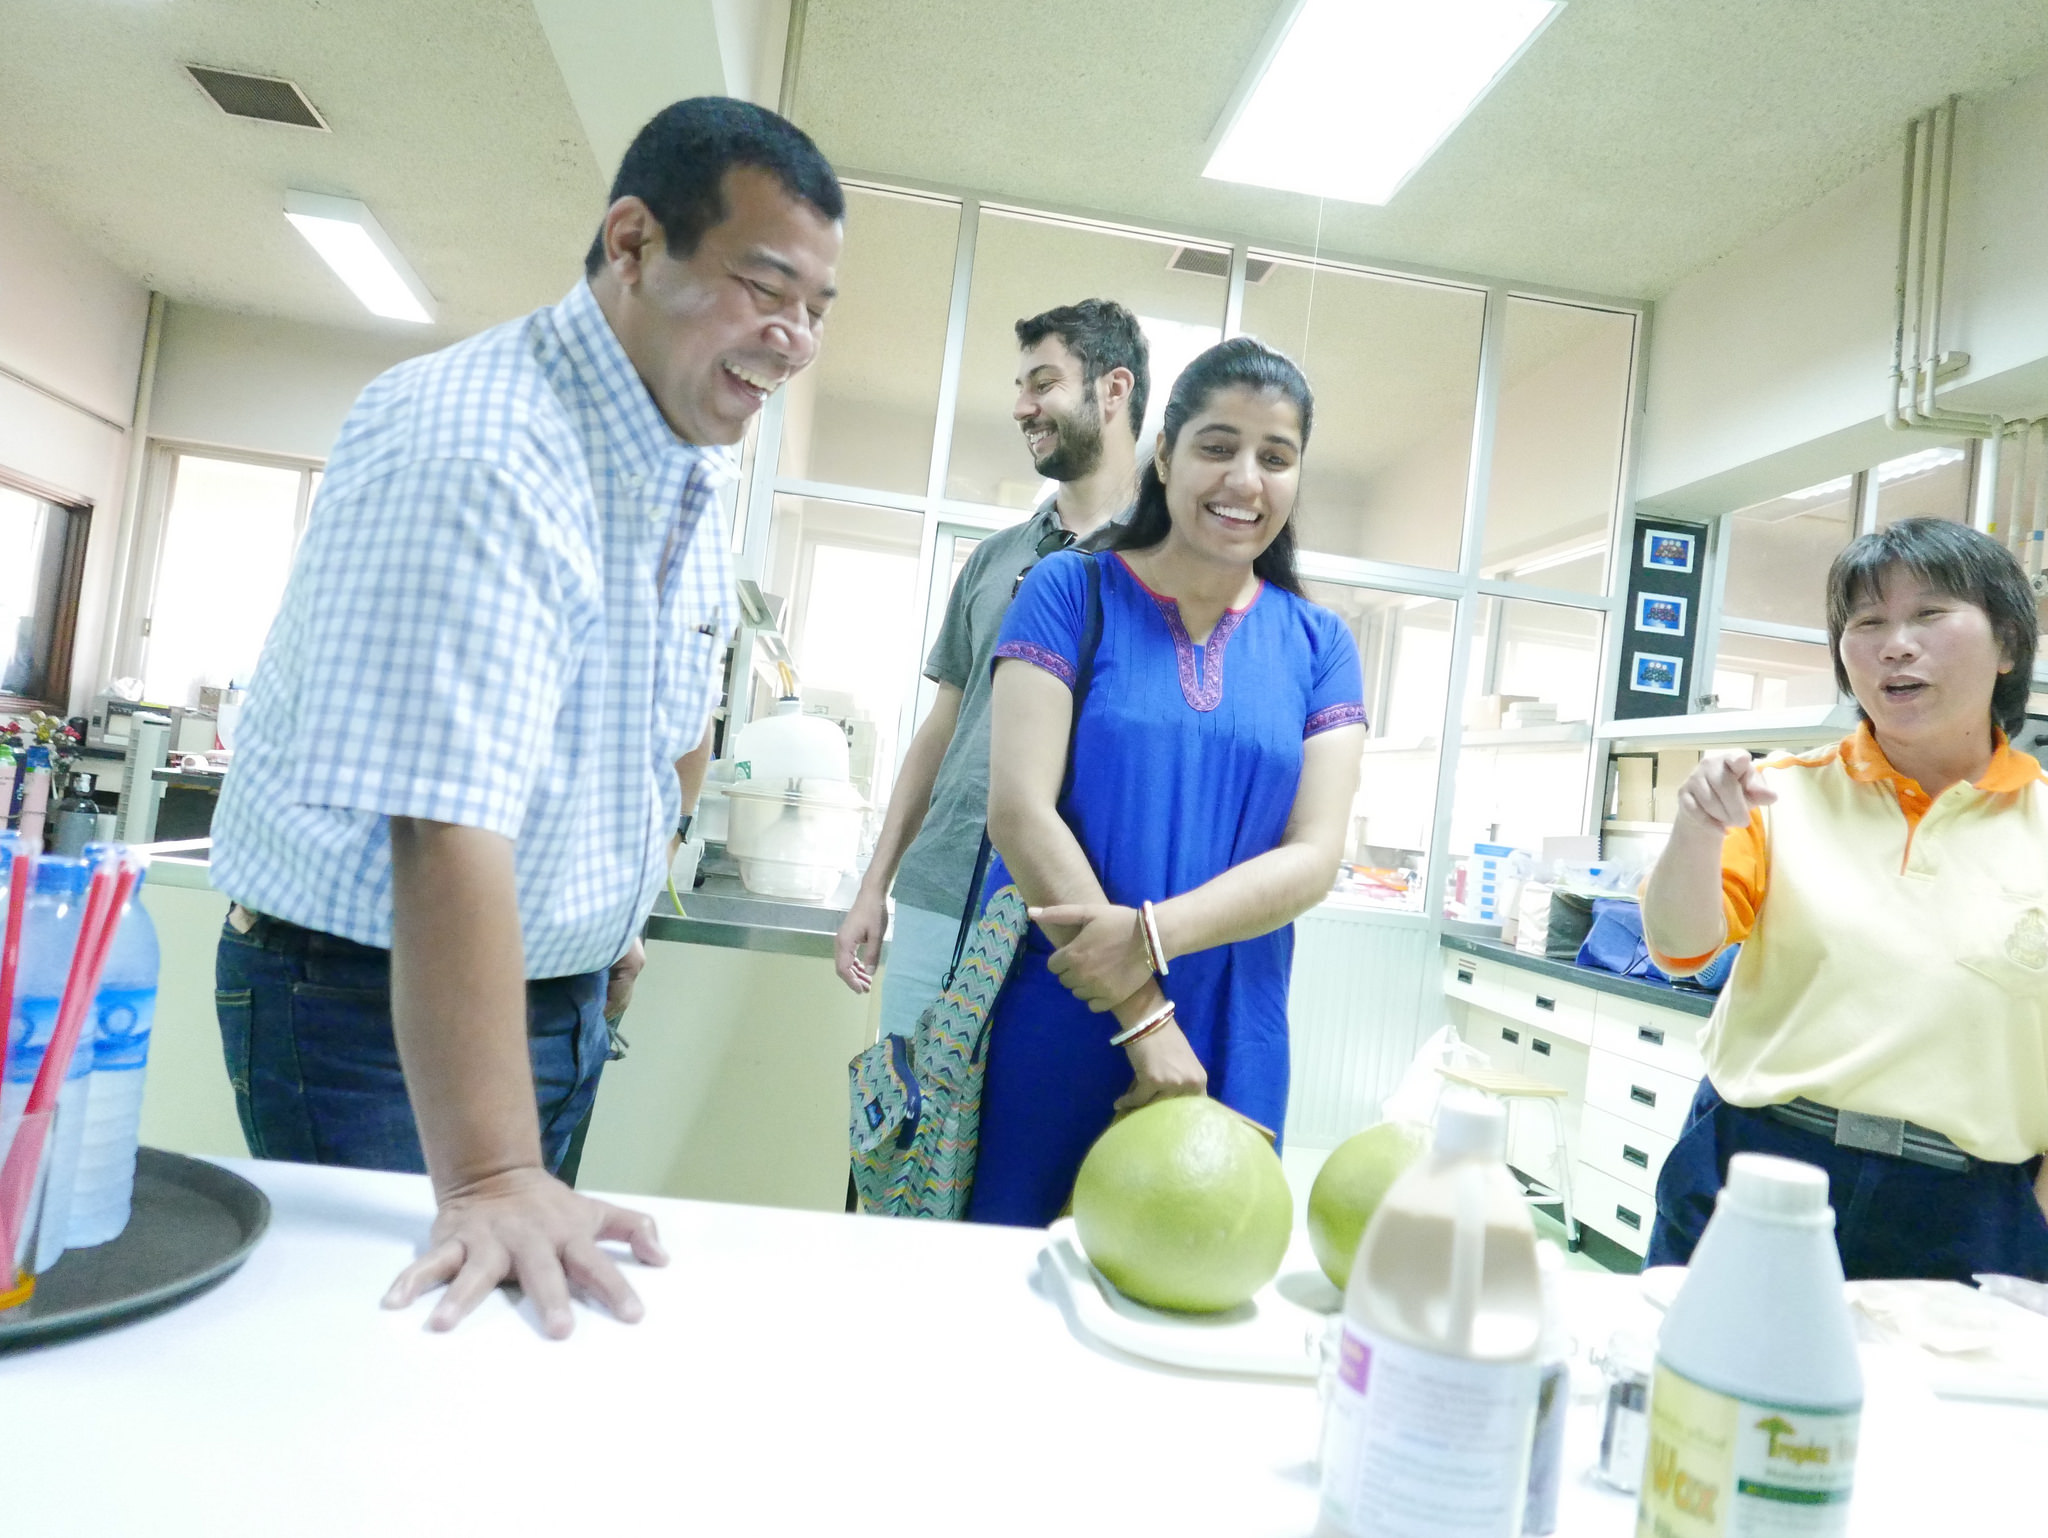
point(1241, 363)
point(676, 165)
point(1103, 335)
point(1953, 559)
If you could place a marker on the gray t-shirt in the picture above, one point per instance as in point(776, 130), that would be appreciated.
point(939, 864)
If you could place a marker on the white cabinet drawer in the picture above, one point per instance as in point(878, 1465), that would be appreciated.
point(1504, 1041)
point(1468, 978)
point(1630, 1154)
point(1636, 1092)
point(1619, 1211)
point(1663, 1038)
point(1566, 1009)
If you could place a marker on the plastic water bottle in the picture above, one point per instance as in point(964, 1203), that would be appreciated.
point(1757, 1394)
point(123, 1011)
point(1428, 1429)
point(49, 934)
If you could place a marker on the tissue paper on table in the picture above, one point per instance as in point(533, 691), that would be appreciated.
point(1971, 1344)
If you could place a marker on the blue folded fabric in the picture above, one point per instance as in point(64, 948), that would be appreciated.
point(1615, 944)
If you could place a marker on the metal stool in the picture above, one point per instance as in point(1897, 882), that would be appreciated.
point(1508, 1088)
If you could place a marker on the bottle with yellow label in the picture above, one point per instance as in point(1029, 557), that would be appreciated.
point(1757, 1393)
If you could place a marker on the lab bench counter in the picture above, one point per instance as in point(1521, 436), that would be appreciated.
point(733, 1087)
point(769, 1381)
point(1691, 1001)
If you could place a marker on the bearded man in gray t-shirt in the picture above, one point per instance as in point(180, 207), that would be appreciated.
point(1082, 380)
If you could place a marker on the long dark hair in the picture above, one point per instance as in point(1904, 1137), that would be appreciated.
point(1958, 561)
point(1240, 363)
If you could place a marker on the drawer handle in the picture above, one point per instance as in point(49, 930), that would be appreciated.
point(1543, 1003)
point(1632, 1219)
point(1465, 975)
point(1634, 1156)
point(1642, 1096)
point(1509, 1036)
point(1539, 1046)
point(1651, 1034)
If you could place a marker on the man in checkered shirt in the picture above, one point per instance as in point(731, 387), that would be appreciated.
point(484, 707)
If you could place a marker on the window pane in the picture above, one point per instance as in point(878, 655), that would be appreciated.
point(862, 415)
point(1778, 553)
point(1934, 483)
point(1524, 780)
point(1395, 369)
point(1756, 672)
point(1025, 266)
point(230, 528)
point(852, 621)
point(29, 536)
point(1557, 444)
point(1404, 644)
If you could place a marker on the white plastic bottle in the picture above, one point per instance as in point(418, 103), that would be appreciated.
point(789, 745)
point(123, 1011)
point(1428, 1428)
point(1757, 1393)
point(49, 934)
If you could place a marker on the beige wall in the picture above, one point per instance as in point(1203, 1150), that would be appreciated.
point(72, 325)
point(1768, 369)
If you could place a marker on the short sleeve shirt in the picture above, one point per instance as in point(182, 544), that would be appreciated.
point(937, 868)
point(507, 614)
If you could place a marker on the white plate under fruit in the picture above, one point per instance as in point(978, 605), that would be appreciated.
point(1277, 1334)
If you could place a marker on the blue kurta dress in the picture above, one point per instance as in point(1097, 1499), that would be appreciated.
point(1187, 760)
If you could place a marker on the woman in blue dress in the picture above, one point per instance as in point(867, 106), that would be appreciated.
point(1214, 765)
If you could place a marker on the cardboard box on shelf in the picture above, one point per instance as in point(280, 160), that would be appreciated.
point(1484, 713)
point(1674, 767)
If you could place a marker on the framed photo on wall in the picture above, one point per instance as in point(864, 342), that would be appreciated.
point(1661, 613)
point(1668, 550)
point(1649, 673)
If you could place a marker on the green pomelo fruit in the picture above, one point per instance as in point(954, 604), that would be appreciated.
point(1352, 1183)
point(1183, 1206)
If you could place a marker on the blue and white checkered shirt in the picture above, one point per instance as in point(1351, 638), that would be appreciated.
point(508, 613)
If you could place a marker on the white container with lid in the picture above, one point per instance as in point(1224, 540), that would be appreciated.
point(793, 838)
point(1427, 1432)
point(789, 745)
point(1755, 1403)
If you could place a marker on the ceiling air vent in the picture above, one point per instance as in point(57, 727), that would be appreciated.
point(262, 97)
point(1211, 263)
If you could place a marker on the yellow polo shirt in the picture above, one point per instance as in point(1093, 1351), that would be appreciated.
point(1895, 956)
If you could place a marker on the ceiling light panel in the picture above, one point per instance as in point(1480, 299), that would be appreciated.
point(349, 239)
point(1354, 95)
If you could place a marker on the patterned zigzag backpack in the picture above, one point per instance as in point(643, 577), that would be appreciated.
point(916, 1099)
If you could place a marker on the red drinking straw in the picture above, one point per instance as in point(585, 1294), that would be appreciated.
point(111, 884)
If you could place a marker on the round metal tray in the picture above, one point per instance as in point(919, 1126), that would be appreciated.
point(193, 1223)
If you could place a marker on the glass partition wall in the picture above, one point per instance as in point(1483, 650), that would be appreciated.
point(1459, 502)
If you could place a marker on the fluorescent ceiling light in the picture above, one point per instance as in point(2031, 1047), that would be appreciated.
point(352, 242)
point(1351, 96)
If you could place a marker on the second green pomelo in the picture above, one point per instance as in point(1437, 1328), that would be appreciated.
point(1352, 1183)
point(1183, 1206)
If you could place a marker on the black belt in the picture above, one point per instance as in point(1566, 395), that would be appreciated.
point(1873, 1134)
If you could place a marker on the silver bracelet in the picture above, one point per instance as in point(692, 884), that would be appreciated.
point(1155, 952)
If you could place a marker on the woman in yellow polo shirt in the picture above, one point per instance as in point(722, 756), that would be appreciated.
point(1887, 1019)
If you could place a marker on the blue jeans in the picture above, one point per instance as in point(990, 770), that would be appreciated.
point(920, 950)
point(1893, 1217)
point(305, 1025)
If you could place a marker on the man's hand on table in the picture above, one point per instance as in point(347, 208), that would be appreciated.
point(526, 1226)
point(618, 990)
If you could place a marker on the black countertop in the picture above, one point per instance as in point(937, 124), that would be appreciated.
point(1689, 1001)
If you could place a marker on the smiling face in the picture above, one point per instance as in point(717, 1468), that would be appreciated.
point(1921, 662)
point(714, 334)
point(1232, 476)
point(1061, 416)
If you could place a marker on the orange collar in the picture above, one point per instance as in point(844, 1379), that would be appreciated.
point(2010, 771)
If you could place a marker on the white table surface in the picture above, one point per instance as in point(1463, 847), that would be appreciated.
point(796, 1373)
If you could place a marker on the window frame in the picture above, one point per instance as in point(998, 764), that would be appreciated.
point(1465, 586)
point(55, 679)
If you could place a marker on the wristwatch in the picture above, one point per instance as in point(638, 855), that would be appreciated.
point(683, 827)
